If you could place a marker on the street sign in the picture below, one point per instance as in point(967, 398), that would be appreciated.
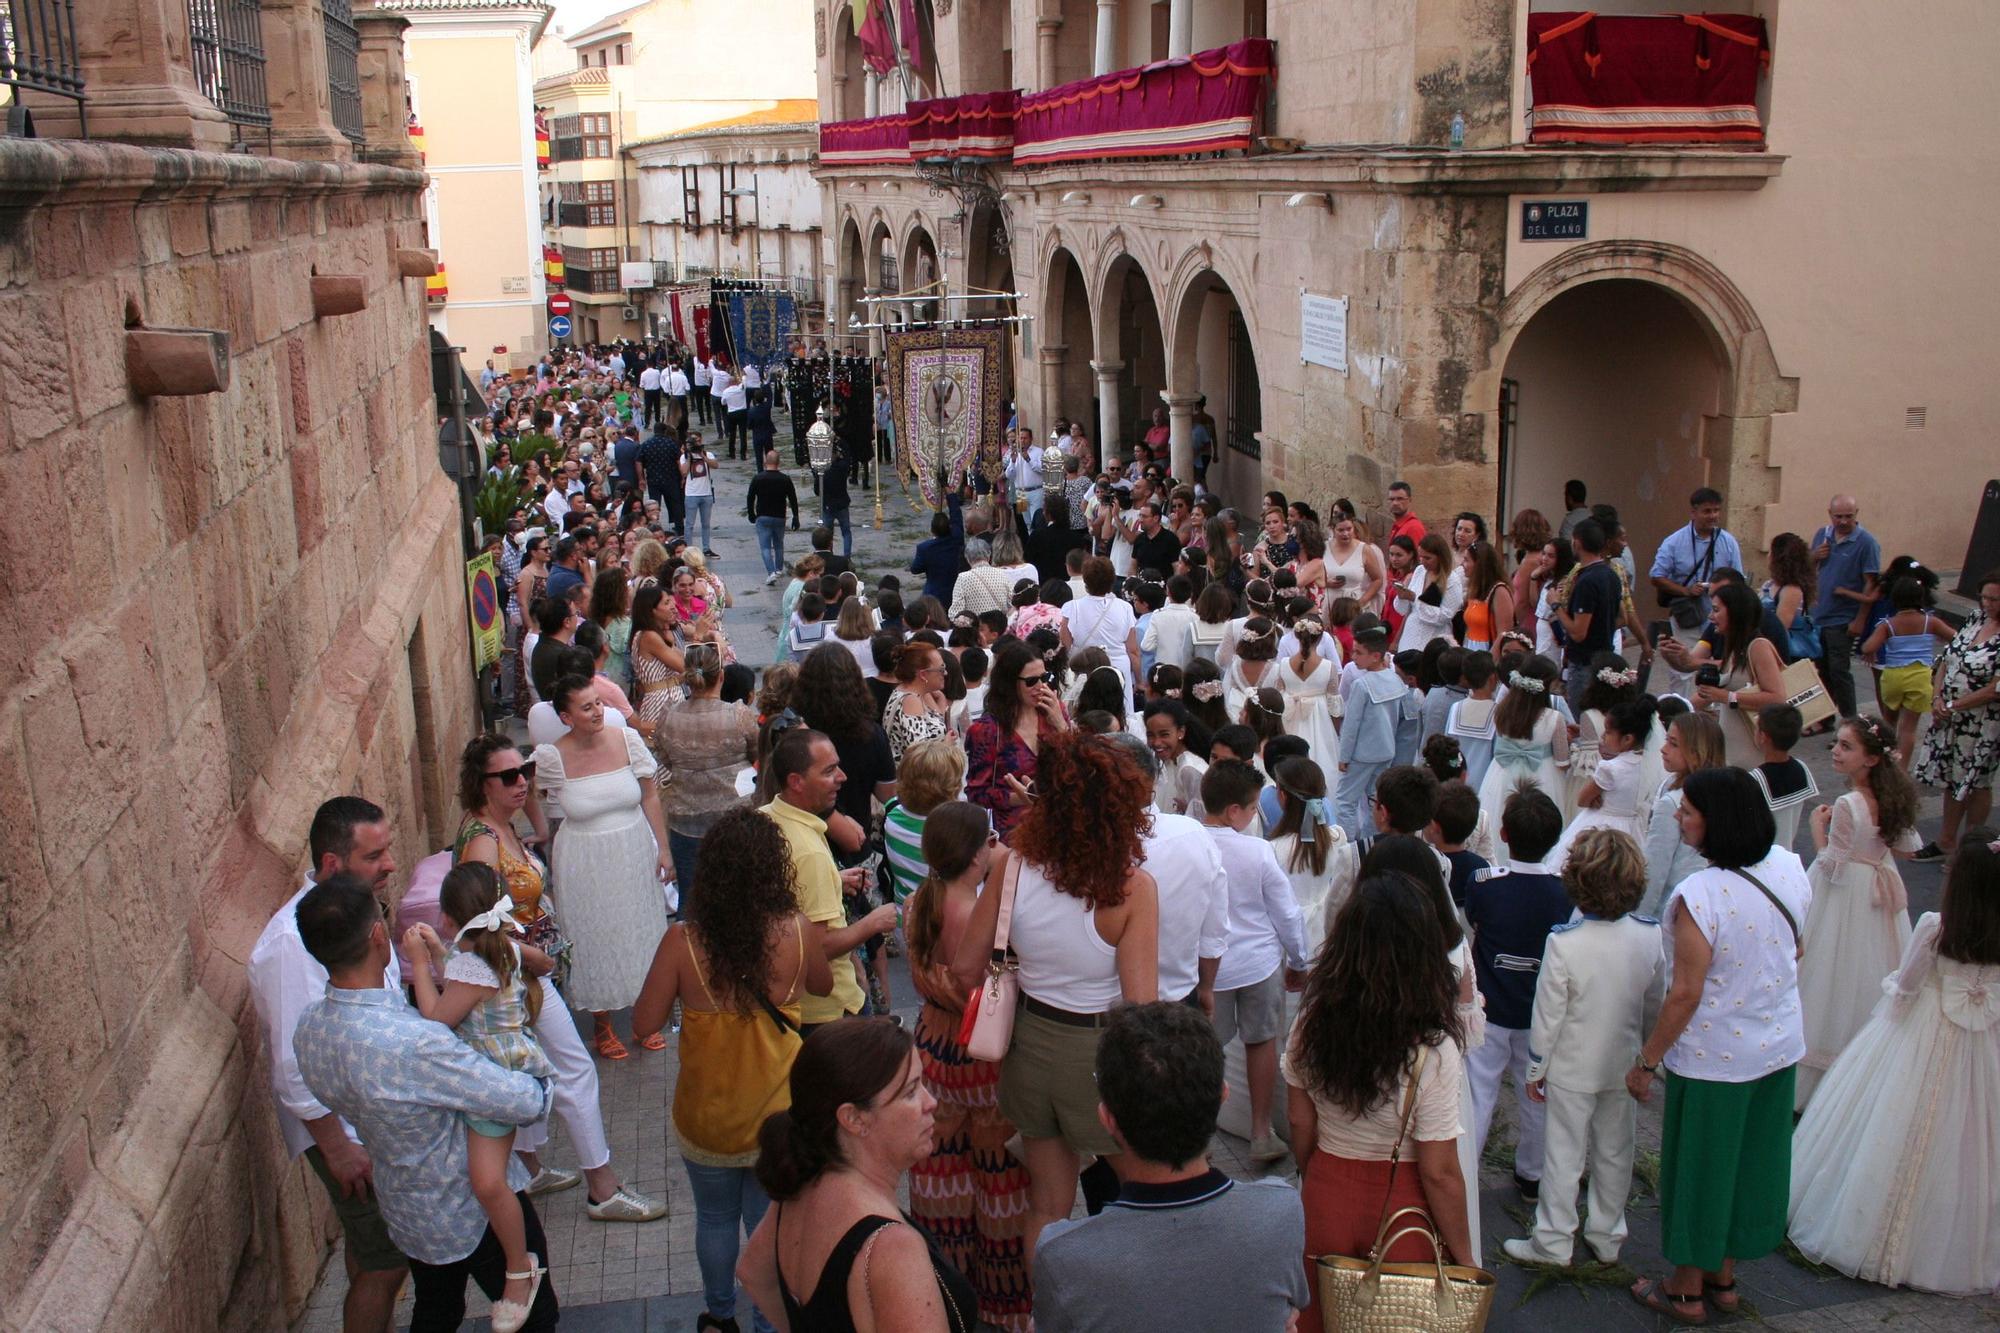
point(1555, 219)
point(558, 303)
point(484, 599)
point(559, 327)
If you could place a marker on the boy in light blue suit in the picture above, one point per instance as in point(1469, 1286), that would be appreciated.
point(1375, 706)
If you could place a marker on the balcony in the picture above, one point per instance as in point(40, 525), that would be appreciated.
point(1645, 78)
point(1212, 101)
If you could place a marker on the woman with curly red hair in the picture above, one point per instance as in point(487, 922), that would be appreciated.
point(1085, 931)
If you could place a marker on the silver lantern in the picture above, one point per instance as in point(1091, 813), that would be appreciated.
point(819, 443)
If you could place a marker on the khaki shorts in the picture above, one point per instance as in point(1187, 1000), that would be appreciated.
point(1906, 687)
point(361, 1223)
point(1255, 1012)
point(1048, 1084)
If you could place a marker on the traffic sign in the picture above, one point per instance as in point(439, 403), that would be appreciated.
point(559, 326)
point(558, 303)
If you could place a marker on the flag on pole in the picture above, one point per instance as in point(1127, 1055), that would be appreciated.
point(878, 43)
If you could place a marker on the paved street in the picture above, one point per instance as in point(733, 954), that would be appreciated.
point(627, 1278)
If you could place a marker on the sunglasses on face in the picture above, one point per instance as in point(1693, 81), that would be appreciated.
point(1035, 679)
point(507, 777)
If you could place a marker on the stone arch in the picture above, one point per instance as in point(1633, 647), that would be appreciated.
point(880, 244)
point(1065, 336)
point(1130, 365)
point(1735, 439)
point(1212, 353)
point(850, 271)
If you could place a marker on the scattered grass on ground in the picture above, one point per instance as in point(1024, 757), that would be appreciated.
point(1797, 1258)
point(1577, 1277)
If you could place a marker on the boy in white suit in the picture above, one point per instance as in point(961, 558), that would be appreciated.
point(1603, 977)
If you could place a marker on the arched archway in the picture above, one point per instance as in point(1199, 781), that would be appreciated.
point(849, 73)
point(851, 276)
point(990, 266)
point(1131, 365)
point(1065, 340)
point(1676, 390)
point(880, 271)
point(1217, 391)
point(920, 268)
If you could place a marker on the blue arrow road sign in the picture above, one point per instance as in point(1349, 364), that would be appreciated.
point(559, 326)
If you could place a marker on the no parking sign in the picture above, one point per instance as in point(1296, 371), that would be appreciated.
point(483, 598)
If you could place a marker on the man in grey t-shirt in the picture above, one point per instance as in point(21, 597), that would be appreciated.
point(1183, 1245)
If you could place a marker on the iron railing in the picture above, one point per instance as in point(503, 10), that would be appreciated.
point(38, 51)
point(228, 42)
point(343, 68)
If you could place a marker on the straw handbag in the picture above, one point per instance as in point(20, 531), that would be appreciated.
point(1366, 1295)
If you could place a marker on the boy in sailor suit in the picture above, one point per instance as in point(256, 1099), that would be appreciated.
point(1603, 977)
point(1368, 734)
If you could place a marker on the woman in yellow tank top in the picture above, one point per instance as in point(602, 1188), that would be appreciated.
point(736, 965)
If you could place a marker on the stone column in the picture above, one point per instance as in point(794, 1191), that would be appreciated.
point(1106, 58)
point(1180, 425)
point(1050, 361)
point(295, 78)
point(872, 314)
point(1046, 29)
point(840, 94)
point(384, 101)
point(1180, 32)
point(1110, 430)
point(134, 58)
point(871, 94)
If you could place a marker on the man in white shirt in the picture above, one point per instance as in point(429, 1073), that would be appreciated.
point(350, 835)
point(675, 382)
point(703, 379)
point(753, 376)
point(1024, 473)
point(649, 387)
point(735, 403)
point(1266, 950)
point(556, 505)
point(1170, 633)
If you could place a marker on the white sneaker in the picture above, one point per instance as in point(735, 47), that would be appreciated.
point(1522, 1251)
point(553, 1180)
point(771, 580)
point(626, 1206)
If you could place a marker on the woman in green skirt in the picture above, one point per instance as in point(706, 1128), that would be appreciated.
point(1729, 1037)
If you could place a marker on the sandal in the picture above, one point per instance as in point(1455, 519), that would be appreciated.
point(1652, 1293)
point(509, 1316)
point(608, 1044)
point(1722, 1295)
point(656, 1042)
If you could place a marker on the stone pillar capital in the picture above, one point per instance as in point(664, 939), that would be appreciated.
point(1052, 355)
point(1107, 369)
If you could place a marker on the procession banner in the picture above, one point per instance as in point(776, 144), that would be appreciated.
point(947, 393)
point(760, 325)
point(482, 595)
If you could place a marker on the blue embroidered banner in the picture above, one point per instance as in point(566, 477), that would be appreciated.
point(760, 326)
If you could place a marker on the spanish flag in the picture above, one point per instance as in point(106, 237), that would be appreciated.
point(417, 136)
point(552, 266)
point(541, 141)
point(434, 286)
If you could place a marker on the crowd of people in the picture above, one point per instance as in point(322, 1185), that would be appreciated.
point(1136, 782)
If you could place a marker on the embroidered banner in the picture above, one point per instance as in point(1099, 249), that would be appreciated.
point(977, 125)
point(760, 325)
point(1207, 102)
point(864, 142)
point(945, 384)
point(1667, 78)
point(698, 317)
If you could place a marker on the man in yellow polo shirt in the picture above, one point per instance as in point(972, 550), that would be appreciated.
point(803, 775)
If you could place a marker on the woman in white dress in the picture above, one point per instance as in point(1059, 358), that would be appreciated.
point(1099, 620)
point(1311, 703)
point(1612, 798)
point(1530, 740)
point(1859, 925)
point(1353, 567)
point(610, 858)
point(1896, 1164)
point(1254, 666)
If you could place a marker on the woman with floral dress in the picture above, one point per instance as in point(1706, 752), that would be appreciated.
point(1961, 752)
point(1022, 708)
point(917, 709)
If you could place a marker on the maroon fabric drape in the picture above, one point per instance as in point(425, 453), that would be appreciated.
point(1208, 101)
point(1666, 78)
point(879, 139)
point(979, 125)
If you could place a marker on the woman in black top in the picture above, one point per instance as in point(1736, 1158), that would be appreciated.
point(835, 1243)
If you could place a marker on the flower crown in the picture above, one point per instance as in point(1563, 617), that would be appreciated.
point(1613, 676)
point(1308, 629)
point(1258, 704)
point(1208, 690)
point(1528, 683)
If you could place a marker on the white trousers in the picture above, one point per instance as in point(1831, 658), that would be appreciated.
point(1599, 1124)
point(576, 1086)
point(1505, 1050)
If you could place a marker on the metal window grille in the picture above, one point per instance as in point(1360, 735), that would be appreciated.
point(343, 68)
point(228, 41)
point(1246, 397)
point(38, 48)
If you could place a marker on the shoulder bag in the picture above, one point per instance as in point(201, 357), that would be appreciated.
point(988, 1029)
point(1366, 1295)
point(1783, 911)
point(1686, 611)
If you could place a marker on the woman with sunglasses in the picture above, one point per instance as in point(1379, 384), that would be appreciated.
point(1022, 711)
point(917, 710)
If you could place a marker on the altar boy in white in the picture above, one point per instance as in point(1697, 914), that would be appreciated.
point(1603, 977)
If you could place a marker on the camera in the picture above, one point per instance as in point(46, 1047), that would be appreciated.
point(1708, 673)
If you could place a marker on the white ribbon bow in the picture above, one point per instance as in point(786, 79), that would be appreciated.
point(498, 917)
point(1973, 1003)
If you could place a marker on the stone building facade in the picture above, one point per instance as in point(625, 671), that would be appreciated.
point(1735, 314)
point(223, 607)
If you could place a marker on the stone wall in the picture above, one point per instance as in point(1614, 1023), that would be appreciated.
point(220, 610)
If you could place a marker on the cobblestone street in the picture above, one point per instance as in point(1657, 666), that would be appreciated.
point(614, 1276)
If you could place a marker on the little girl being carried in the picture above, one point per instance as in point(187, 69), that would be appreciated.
point(1613, 796)
point(488, 1001)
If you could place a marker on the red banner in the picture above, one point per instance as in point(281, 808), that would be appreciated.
point(977, 125)
point(877, 140)
point(1666, 78)
point(1205, 103)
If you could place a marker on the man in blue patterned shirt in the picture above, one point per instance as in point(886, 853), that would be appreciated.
point(406, 1084)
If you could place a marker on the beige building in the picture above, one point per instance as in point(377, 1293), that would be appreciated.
point(237, 589)
point(1779, 317)
point(472, 91)
point(737, 199)
point(655, 69)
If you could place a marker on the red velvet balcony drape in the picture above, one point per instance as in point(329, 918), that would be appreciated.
point(1666, 78)
point(1206, 102)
